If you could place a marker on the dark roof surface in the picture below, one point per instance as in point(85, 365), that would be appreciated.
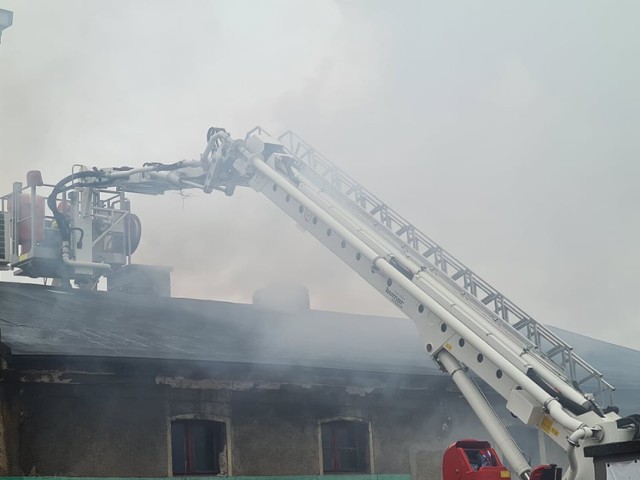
point(620, 365)
point(38, 320)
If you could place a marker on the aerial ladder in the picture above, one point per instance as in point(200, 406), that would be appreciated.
point(465, 324)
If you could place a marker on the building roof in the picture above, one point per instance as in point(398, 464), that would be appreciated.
point(36, 320)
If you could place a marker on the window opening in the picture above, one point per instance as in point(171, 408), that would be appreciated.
point(345, 447)
point(198, 447)
point(479, 458)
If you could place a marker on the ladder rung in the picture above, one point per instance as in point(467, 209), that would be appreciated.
point(402, 230)
point(555, 350)
point(522, 323)
point(376, 209)
point(490, 298)
point(429, 252)
point(589, 377)
point(458, 274)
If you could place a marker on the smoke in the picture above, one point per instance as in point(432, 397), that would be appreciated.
point(503, 131)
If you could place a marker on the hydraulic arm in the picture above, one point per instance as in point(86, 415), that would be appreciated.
point(465, 324)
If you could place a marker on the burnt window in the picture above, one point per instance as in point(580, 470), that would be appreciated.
point(198, 447)
point(345, 447)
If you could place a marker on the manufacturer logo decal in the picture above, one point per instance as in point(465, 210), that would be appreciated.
point(395, 297)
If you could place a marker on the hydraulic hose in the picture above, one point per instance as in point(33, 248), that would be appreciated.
point(566, 402)
point(61, 186)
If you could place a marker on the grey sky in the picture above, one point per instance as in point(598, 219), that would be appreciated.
point(506, 131)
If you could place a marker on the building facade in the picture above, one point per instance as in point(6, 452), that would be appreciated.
point(105, 384)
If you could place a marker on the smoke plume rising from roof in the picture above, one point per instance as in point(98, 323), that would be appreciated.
point(506, 132)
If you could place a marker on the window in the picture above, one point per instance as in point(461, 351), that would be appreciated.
point(479, 458)
point(345, 447)
point(198, 447)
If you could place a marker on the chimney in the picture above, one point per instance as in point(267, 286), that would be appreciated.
point(141, 280)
